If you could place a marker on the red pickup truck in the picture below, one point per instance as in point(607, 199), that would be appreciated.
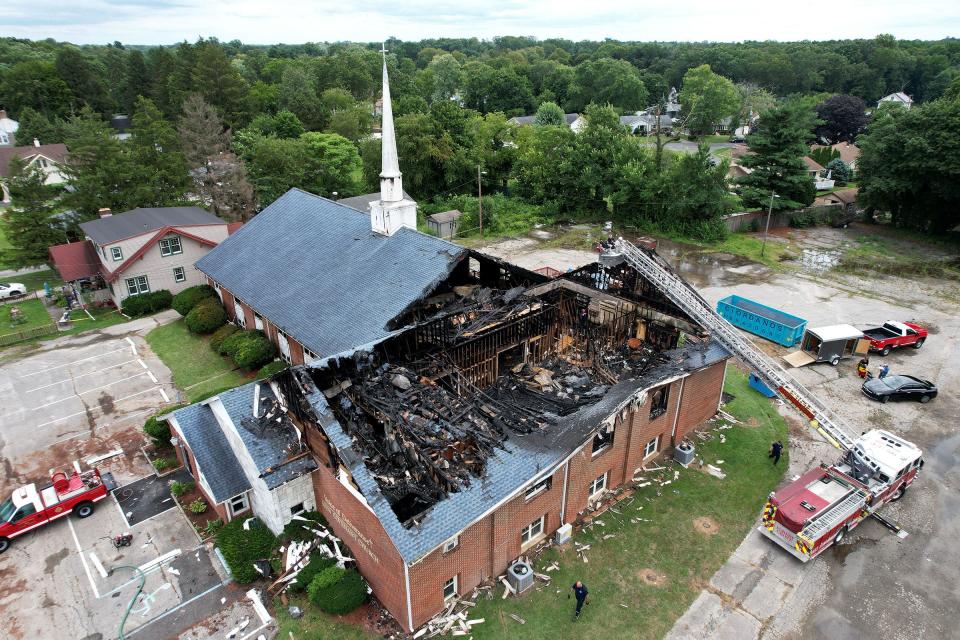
point(895, 334)
point(29, 508)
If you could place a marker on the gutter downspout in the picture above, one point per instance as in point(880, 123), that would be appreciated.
point(563, 498)
point(722, 385)
point(676, 418)
point(406, 579)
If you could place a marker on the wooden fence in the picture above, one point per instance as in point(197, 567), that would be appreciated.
point(26, 334)
point(744, 221)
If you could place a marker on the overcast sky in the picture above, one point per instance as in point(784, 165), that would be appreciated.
point(297, 21)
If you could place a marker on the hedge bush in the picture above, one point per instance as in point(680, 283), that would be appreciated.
point(317, 564)
point(230, 344)
point(301, 531)
point(337, 591)
point(206, 317)
point(241, 548)
point(221, 334)
point(157, 430)
point(254, 351)
point(274, 367)
point(186, 300)
point(146, 303)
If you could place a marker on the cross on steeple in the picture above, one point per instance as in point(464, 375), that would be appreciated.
point(383, 49)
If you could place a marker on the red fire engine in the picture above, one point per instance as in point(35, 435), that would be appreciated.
point(29, 508)
point(818, 509)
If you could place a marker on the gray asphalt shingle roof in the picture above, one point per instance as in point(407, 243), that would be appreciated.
point(144, 220)
point(316, 269)
point(210, 449)
point(520, 461)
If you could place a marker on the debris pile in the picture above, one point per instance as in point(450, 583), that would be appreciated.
point(296, 555)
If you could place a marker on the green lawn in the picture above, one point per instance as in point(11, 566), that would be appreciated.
point(34, 314)
point(34, 281)
point(197, 370)
point(664, 543)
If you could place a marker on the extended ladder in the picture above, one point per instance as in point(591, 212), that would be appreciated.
point(835, 515)
point(677, 290)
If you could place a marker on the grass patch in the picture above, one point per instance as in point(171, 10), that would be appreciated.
point(33, 312)
point(582, 236)
point(750, 246)
point(666, 543)
point(34, 281)
point(197, 370)
point(877, 254)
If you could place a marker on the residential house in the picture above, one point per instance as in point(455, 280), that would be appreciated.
point(645, 123)
point(49, 157)
point(404, 336)
point(849, 152)
point(672, 107)
point(8, 130)
point(445, 224)
point(575, 121)
point(246, 455)
point(847, 198)
point(120, 124)
point(76, 262)
point(818, 174)
point(899, 98)
point(149, 249)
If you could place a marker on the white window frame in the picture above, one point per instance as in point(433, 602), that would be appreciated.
point(454, 588)
point(451, 544)
point(141, 284)
point(166, 246)
point(302, 509)
point(116, 253)
point(43, 162)
point(257, 321)
point(283, 345)
point(599, 485)
point(536, 489)
point(181, 277)
point(532, 533)
point(647, 451)
point(309, 357)
point(241, 316)
point(243, 500)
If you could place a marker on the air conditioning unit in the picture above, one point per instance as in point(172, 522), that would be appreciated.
point(684, 453)
point(520, 576)
point(564, 534)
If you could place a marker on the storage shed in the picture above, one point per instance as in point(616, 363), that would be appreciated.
point(445, 223)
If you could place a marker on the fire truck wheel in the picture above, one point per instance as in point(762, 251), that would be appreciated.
point(837, 539)
point(898, 493)
point(84, 510)
point(4, 544)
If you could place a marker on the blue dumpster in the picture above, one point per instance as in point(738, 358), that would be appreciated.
point(764, 321)
point(757, 385)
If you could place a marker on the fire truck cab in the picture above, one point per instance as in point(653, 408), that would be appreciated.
point(29, 508)
point(819, 508)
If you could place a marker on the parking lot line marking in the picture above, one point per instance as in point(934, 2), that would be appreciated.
point(61, 366)
point(86, 568)
point(153, 377)
point(163, 394)
point(120, 509)
point(133, 347)
point(113, 366)
point(80, 413)
point(142, 363)
point(97, 564)
point(176, 608)
point(80, 393)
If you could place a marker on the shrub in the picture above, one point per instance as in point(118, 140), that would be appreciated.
point(221, 334)
point(145, 303)
point(839, 171)
point(206, 317)
point(317, 564)
point(254, 351)
point(803, 220)
point(299, 530)
point(230, 344)
point(186, 300)
point(177, 489)
point(213, 526)
point(198, 506)
point(337, 591)
point(241, 548)
point(273, 368)
point(162, 464)
point(158, 430)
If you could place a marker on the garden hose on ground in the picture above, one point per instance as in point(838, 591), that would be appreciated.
point(143, 579)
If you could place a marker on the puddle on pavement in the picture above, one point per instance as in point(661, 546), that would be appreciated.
point(710, 269)
point(819, 259)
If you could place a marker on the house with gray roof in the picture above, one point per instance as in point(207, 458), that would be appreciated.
point(246, 455)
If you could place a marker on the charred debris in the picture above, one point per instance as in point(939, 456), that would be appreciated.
point(485, 359)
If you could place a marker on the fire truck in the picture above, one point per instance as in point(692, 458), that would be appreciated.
point(818, 509)
point(29, 507)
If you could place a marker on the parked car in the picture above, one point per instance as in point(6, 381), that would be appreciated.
point(899, 387)
point(895, 334)
point(12, 290)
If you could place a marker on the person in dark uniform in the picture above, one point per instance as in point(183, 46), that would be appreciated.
point(775, 450)
point(580, 591)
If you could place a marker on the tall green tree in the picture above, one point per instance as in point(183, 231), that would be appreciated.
point(29, 224)
point(447, 77)
point(549, 114)
point(298, 95)
point(35, 84)
point(333, 165)
point(777, 148)
point(842, 118)
point(138, 80)
point(220, 83)
point(607, 81)
point(707, 98)
point(154, 148)
point(85, 81)
point(275, 166)
point(36, 126)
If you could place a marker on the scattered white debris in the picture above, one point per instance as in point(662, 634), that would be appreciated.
point(174, 571)
point(715, 472)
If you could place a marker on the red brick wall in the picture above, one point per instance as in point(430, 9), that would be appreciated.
point(701, 396)
point(377, 558)
point(296, 349)
point(221, 509)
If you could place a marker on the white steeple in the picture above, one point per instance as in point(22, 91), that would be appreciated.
point(393, 210)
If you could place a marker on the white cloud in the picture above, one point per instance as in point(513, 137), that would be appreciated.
point(294, 21)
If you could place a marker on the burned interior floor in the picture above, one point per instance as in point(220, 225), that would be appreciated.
point(495, 359)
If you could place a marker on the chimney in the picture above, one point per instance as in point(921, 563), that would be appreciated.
point(105, 212)
point(36, 142)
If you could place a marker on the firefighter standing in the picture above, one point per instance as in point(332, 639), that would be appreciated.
point(862, 366)
point(775, 449)
point(580, 591)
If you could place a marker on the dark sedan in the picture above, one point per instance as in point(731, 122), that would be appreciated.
point(899, 388)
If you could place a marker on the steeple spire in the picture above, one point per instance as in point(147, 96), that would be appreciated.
point(390, 166)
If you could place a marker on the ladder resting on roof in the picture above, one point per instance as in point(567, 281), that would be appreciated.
point(677, 290)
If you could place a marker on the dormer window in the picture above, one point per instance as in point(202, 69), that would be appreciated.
point(116, 253)
point(170, 246)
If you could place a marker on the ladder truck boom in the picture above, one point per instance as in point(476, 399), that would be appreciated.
point(678, 291)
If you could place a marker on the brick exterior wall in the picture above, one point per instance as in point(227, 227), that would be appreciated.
point(701, 398)
point(220, 509)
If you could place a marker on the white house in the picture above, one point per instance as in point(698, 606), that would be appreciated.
point(575, 121)
point(8, 127)
point(49, 157)
point(899, 98)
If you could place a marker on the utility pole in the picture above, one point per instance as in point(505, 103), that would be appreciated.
point(480, 197)
point(767, 228)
